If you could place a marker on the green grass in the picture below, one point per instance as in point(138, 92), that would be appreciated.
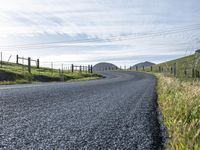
point(179, 100)
point(180, 105)
point(17, 74)
point(184, 64)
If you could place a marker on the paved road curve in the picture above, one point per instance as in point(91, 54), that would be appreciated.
point(118, 112)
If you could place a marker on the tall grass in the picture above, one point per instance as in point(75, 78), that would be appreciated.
point(180, 105)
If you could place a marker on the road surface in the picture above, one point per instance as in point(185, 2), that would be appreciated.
point(118, 112)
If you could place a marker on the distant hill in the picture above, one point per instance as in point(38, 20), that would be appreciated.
point(143, 64)
point(104, 66)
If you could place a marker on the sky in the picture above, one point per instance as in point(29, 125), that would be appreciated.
point(123, 32)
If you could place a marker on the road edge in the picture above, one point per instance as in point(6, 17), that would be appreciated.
point(162, 126)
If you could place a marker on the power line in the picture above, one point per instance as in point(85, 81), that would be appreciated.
point(99, 41)
point(48, 62)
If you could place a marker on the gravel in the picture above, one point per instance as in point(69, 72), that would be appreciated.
point(118, 112)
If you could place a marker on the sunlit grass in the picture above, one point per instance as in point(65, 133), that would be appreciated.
point(21, 75)
point(180, 105)
point(184, 67)
point(179, 99)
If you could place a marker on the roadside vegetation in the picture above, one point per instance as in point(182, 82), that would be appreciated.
point(183, 68)
point(11, 73)
point(179, 101)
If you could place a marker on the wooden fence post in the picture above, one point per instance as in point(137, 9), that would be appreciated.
point(151, 68)
point(174, 70)
point(197, 74)
point(136, 68)
point(62, 69)
point(38, 63)
point(1, 59)
point(17, 59)
point(159, 69)
point(193, 73)
point(52, 68)
point(91, 71)
point(29, 64)
point(185, 72)
point(143, 68)
point(72, 68)
point(80, 68)
point(88, 69)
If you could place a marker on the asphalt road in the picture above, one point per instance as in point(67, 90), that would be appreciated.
point(118, 112)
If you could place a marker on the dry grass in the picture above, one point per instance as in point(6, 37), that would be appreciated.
point(180, 105)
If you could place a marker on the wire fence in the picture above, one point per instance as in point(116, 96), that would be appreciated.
point(27, 65)
point(187, 67)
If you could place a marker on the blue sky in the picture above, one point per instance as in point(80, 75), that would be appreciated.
point(35, 21)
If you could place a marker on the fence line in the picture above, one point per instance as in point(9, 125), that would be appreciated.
point(26, 63)
point(182, 68)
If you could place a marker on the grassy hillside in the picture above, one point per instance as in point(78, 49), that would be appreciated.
point(11, 73)
point(186, 67)
point(180, 105)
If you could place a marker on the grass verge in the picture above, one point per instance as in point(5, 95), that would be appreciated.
point(12, 73)
point(180, 104)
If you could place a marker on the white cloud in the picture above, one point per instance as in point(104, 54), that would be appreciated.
point(100, 18)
